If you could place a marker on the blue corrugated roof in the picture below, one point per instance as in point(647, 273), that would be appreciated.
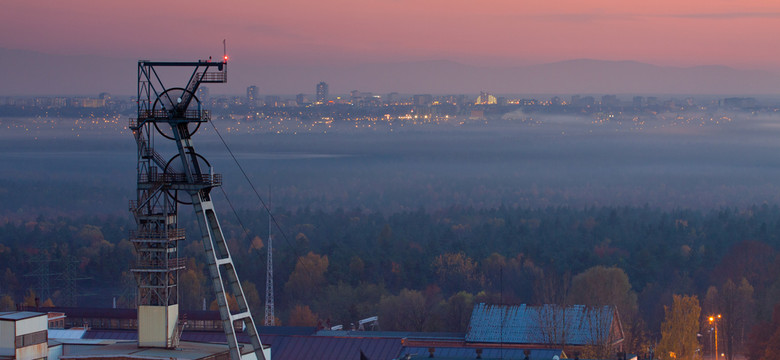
point(392, 334)
point(111, 334)
point(332, 348)
point(487, 353)
point(195, 336)
point(547, 324)
point(66, 334)
point(286, 330)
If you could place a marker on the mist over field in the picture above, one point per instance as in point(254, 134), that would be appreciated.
point(703, 161)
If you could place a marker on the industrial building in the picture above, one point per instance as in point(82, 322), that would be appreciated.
point(495, 332)
point(23, 335)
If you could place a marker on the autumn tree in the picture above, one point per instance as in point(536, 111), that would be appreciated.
point(30, 298)
point(710, 304)
point(252, 297)
point(600, 336)
point(751, 260)
point(406, 311)
point(308, 277)
point(256, 244)
point(514, 277)
point(192, 288)
point(456, 271)
point(455, 313)
point(344, 304)
point(553, 320)
point(301, 315)
point(772, 347)
point(679, 329)
point(602, 286)
point(231, 300)
point(551, 287)
point(735, 303)
point(764, 338)
point(8, 282)
point(356, 270)
point(7, 303)
point(599, 286)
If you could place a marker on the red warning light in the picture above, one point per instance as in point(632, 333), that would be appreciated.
point(226, 57)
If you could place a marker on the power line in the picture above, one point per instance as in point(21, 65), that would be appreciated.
point(262, 202)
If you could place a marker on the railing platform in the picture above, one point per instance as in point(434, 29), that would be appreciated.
point(171, 264)
point(157, 235)
point(181, 178)
point(169, 115)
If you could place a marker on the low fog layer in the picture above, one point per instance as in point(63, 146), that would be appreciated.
point(70, 166)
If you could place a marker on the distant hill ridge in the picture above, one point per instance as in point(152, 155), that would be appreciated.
point(32, 73)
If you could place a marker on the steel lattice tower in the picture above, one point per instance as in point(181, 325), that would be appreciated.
point(42, 272)
point(270, 319)
point(186, 178)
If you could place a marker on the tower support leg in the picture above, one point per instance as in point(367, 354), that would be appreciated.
point(223, 275)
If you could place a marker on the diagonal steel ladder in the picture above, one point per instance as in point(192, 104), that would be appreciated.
point(223, 273)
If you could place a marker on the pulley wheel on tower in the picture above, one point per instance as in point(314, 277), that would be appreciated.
point(175, 102)
point(175, 166)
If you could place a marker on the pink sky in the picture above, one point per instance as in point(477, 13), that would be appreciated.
point(742, 34)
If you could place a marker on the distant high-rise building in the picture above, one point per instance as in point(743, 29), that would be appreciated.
point(486, 98)
point(652, 101)
point(392, 97)
point(638, 101)
point(322, 92)
point(422, 99)
point(587, 101)
point(252, 94)
point(301, 99)
point(355, 97)
point(610, 100)
point(273, 101)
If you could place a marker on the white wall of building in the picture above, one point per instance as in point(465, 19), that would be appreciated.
point(7, 336)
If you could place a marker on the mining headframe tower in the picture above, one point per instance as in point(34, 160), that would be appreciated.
point(173, 115)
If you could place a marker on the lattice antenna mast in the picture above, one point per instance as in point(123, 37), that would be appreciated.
point(70, 278)
point(43, 274)
point(185, 178)
point(270, 319)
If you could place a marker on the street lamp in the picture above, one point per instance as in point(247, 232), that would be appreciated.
point(714, 326)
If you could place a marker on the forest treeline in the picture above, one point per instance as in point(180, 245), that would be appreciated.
point(424, 271)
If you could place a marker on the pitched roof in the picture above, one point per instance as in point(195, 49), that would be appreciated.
point(547, 324)
point(487, 353)
point(66, 334)
point(333, 348)
point(19, 315)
